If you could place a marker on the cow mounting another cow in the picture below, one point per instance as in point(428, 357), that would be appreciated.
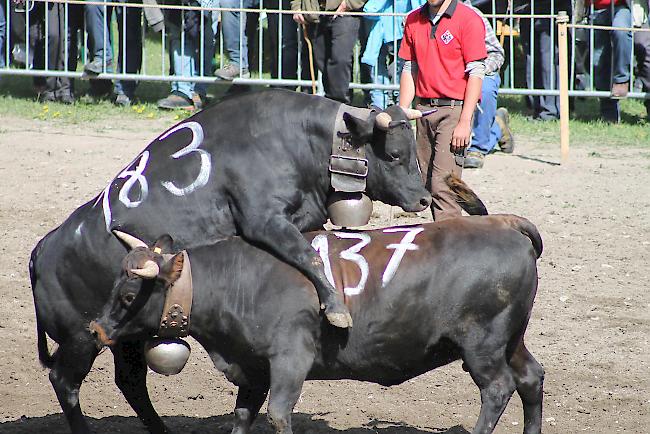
point(415, 303)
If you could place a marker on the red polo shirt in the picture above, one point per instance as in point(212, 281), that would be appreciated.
point(458, 39)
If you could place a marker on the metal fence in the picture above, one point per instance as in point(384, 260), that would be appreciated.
point(31, 28)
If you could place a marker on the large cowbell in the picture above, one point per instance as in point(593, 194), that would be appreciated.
point(347, 204)
point(166, 356)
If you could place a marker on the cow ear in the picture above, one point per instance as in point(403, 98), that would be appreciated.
point(170, 271)
point(163, 244)
point(361, 130)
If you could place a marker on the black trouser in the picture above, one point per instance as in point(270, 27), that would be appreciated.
point(334, 40)
point(642, 54)
point(56, 43)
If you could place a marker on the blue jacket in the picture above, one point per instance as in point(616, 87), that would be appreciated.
point(385, 29)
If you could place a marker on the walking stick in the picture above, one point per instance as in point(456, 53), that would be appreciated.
point(311, 59)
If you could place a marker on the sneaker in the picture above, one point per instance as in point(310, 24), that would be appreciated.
point(474, 160)
point(619, 90)
point(46, 96)
point(507, 142)
point(96, 66)
point(176, 100)
point(231, 71)
point(122, 100)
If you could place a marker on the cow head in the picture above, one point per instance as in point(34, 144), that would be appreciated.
point(138, 296)
point(393, 173)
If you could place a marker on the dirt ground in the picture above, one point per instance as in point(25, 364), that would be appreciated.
point(590, 326)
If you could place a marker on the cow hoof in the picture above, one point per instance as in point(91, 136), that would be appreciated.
point(339, 319)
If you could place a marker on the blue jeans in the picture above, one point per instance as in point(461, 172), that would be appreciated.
point(186, 57)
point(99, 38)
point(378, 97)
point(485, 132)
point(233, 29)
point(612, 54)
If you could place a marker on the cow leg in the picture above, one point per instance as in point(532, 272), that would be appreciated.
point(72, 363)
point(249, 402)
point(529, 376)
point(495, 380)
point(288, 374)
point(286, 241)
point(131, 379)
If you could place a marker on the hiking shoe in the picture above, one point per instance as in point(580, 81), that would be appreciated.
point(122, 100)
point(507, 141)
point(46, 96)
point(97, 66)
point(176, 100)
point(65, 97)
point(474, 160)
point(231, 71)
point(619, 90)
point(199, 101)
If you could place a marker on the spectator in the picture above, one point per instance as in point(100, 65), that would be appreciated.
point(99, 49)
point(642, 49)
point(543, 72)
point(186, 34)
point(612, 54)
point(490, 125)
point(383, 40)
point(129, 58)
point(333, 38)
point(233, 31)
point(444, 52)
point(282, 32)
point(53, 38)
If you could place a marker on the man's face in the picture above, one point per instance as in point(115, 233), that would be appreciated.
point(436, 3)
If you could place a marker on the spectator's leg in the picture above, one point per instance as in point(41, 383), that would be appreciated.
point(99, 41)
point(345, 30)
point(642, 54)
point(532, 102)
point(129, 25)
point(233, 31)
point(320, 35)
point(287, 68)
point(37, 46)
point(379, 75)
point(546, 58)
point(484, 118)
point(203, 61)
point(182, 59)
point(609, 110)
point(621, 44)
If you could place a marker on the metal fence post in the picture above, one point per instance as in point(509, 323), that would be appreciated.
point(562, 21)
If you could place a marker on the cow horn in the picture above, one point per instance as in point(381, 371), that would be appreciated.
point(130, 240)
point(149, 271)
point(412, 114)
point(383, 120)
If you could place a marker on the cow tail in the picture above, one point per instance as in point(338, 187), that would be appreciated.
point(465, 196)
point(530, 230)
point(46, 359)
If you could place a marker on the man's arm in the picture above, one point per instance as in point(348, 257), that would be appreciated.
point(407, 85)
point(462, 133)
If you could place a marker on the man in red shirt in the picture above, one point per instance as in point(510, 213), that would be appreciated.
point(444, 52)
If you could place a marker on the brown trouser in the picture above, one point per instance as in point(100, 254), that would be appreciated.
point(436, 159)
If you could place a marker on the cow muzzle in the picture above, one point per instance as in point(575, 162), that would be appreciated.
point(100, 335)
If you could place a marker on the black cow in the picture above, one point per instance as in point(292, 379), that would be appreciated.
point(420, 296)
point(255, 165)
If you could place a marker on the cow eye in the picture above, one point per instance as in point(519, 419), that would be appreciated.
point(128, 298)
point(394, 156)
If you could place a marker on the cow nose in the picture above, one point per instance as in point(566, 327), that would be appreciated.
point(426, 201)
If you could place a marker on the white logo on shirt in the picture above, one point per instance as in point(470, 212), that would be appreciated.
point(447, 37)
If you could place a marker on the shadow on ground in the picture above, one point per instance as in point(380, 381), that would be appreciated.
point(302, 423)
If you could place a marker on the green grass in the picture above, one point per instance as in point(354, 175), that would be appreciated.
point(17, 98)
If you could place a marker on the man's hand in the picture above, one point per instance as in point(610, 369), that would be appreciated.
point(300, 19)
point(343, 7)
point(461, 136)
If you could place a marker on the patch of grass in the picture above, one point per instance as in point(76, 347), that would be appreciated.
point(585, 126)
